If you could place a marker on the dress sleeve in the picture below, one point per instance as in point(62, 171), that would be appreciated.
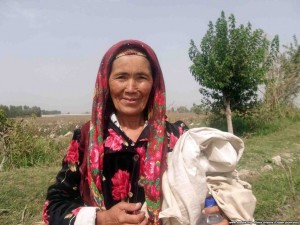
point(174, 131)
point(63, 201)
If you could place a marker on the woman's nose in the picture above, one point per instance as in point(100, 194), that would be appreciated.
point(131, 85)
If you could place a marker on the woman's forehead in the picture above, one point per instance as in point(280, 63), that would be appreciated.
point(131, 62)
point(127, 52)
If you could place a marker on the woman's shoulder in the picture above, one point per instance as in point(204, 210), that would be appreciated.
point(177, 128)
point(81, 135)
point(85, 127)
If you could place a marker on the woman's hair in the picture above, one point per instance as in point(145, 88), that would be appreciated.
point(130, 51)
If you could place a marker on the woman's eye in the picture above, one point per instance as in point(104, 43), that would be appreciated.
point(143, 77)
point(120, 77)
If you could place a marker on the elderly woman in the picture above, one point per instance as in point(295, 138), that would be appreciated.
point(115, 162)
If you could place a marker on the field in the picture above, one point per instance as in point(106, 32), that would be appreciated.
point(22, 191)
point(60, 125)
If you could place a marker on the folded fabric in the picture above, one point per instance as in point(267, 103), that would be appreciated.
point(203, 160)
point(86, 216)
point(233, 196)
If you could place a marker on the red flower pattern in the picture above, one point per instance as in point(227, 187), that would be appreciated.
point(114, 141)
point(152, 151)
point(173, 140)
point(76, 211)
point(159, 98)
point(159, 129)
point(99, 113)
point(121, 185)
point(73, 154)
point(154, 192)
point(45, 215)
point(142, 154)
point(149, 169)
point(94, 157)
point(180, 130)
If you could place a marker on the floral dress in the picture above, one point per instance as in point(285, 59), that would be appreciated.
point(124, 171)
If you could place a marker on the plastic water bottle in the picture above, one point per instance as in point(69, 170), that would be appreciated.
point(212, 218)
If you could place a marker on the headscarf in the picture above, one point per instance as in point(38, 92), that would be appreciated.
point(101, 110)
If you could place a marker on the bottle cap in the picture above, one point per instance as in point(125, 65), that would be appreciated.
point(210, 202)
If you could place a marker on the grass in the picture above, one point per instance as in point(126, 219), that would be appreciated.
point(278, 194)
point(277, 191)
point(260, 149)
point(24, 188)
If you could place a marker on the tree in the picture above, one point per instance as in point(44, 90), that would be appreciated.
point(21, 111)
point(199, 109)
point(283, 79)
point(36, 111)
point(5, 109)
point(230, 65)
point(182, 109)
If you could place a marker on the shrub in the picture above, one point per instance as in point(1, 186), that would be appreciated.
point(259, 120)
point(25, 149)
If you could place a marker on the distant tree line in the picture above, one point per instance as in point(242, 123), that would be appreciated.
point(23, 111)
point(198, 109)
point(50, 112)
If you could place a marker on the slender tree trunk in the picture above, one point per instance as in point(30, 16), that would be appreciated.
point(228, 116)
point(3, 155)
point(4, 150)
point(2, 163)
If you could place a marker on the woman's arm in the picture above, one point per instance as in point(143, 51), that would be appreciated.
point(63, 199)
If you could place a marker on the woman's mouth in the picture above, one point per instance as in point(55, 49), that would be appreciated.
point(130, 100)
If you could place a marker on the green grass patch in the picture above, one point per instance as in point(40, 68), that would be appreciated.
point(24, 188)
point(278, 194)
point(260, 149)
point(277, 191)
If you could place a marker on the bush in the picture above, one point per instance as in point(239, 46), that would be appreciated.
point(241, 125)
point(259, 120)
point(200, 109)
point(25, 149)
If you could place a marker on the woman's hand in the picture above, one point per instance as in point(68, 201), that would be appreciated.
point(215, 210)
point(120, 214)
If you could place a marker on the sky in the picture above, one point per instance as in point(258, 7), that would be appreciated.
point(50, 51)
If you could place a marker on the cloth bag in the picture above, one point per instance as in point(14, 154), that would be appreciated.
point(204, 160)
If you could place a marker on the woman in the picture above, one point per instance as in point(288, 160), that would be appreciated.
point(115, 163)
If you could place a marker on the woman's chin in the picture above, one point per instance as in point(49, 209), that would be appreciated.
point(130, 112)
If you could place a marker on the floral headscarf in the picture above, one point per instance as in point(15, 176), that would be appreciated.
point(102, 108)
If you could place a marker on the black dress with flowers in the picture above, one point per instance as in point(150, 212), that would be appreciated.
point(123, 163)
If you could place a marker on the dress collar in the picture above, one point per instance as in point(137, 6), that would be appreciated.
point(114, 119)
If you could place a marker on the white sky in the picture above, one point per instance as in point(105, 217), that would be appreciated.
point(50, 50)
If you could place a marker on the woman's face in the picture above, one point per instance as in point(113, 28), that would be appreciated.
point(130, 84)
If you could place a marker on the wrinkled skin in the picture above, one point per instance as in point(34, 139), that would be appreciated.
point(120, 215)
